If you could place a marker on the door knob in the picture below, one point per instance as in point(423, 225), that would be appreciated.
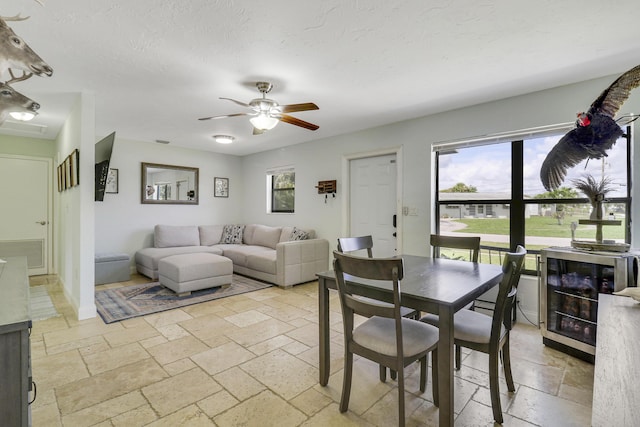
point(41, 222)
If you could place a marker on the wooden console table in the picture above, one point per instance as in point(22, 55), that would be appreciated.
point(15, 323)
point(617, 372)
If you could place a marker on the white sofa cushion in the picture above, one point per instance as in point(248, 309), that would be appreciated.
point(171, 236)
point(239, 253)
point(210, 234)
point(265, 236)
point(263, 261)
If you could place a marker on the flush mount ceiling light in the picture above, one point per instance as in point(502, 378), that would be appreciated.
point(23, 116)
point(223, 139)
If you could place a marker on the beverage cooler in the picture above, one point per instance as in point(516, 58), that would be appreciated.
point(571, 281)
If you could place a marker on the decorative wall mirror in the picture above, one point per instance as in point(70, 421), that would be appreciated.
point(169, 185)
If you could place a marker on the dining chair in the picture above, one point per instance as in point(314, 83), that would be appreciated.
point(353, 244)
point(469, 243)
point(385, 337)
point(490, 334)
point(362, 243)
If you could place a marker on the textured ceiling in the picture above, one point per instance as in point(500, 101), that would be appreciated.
point(155, 66)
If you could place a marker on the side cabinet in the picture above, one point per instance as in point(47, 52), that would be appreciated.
point(15, 359)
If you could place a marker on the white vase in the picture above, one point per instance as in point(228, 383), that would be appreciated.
point(597, 210)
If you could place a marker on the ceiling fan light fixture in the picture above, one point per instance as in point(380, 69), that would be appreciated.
point(263, 122)
point(23, 116)
point(223, 139)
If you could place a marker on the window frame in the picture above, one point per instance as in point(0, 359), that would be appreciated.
point(518, 204)
point(273, 191)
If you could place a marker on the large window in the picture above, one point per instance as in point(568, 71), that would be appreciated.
point(282, 185)
point(494, 191)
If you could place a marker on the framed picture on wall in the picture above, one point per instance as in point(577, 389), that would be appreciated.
point(72, 169)
point(59, 178)
point(220, 187)
point(76, 166)
point(67, 173)
point(112, 182)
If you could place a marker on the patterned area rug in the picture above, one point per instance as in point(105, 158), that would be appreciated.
point(118, 304)
point(40, 303)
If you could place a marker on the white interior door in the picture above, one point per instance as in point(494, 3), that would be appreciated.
point(25, 229)
point(372, 201)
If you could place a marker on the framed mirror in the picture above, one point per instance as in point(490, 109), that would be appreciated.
point(169, 185)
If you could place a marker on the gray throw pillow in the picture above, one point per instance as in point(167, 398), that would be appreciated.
point(298, 234)
point(232, 233)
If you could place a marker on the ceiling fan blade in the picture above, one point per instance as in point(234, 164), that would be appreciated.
point(237, 102)
point(293, 121)
point(226, 115)
point(292, 108)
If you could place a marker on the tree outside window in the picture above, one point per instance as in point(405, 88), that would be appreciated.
point(283, 186)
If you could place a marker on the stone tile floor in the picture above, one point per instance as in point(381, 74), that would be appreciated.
point(251, 360)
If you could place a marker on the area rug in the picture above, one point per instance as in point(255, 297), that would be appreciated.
point(118, 304)
point(40, 303)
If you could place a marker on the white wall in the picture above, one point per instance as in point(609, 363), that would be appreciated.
point(123, 224)
point(74, 214)
point(322, 160)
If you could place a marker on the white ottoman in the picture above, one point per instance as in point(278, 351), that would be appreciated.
point(185, 273)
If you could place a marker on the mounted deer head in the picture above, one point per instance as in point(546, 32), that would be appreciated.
point(13, 101)
point(16, 54)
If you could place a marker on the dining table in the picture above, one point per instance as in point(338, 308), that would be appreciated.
point(435, 285)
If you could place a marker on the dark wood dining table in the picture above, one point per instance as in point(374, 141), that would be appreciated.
point(433, 285)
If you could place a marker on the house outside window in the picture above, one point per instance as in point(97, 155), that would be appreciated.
point(504, 176)
point(281, 188)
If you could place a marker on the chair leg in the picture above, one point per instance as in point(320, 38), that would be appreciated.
point(401, 396)
point(434, 378)
point(346, 381)
point(506, 362)
point(494, 387)
point(393, 374)
point(458, 357)
point(423, 373)
point(383, 373)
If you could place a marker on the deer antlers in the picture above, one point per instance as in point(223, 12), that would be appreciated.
point(14, 79)
point(15, 17)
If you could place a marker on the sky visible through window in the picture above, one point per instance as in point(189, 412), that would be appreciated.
point(488, 167)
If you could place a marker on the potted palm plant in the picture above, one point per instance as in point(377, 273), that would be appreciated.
point(595, 191)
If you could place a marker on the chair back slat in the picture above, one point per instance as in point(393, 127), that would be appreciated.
point(352, 244)
point(512, 269)
point(348, 266)
point(471, 243)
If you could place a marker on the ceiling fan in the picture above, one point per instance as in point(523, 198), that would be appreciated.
point(266, 113)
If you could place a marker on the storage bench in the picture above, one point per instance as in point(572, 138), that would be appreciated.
point(112, 267)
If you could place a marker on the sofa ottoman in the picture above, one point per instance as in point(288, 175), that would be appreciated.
point(111, 268)
point(185, 273)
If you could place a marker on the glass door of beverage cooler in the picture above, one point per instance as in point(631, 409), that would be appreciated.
point(572, 299)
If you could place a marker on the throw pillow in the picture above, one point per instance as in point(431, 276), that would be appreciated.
point(298, 234)
point(232, 233)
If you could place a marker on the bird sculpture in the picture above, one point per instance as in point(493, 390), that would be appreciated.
point(596, 131)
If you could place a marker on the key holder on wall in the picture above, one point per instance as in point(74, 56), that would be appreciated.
point(326, 188)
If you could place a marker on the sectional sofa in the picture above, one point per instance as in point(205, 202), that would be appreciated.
point(284, 256)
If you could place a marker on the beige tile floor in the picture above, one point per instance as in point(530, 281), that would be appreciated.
point(251, 360)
